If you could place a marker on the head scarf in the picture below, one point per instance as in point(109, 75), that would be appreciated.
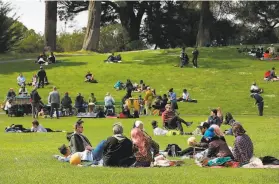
point(237, 129)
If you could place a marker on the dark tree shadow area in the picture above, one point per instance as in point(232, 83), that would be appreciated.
point(30, 66)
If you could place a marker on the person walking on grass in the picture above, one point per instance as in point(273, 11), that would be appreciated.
point(195, 57)
point(259, 102)
point(54, 101)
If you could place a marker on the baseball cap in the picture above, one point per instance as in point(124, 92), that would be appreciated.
point(204, 125)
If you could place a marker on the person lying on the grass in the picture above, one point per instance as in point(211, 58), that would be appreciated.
point(23, 91)
point(119, 85)
point(217, 146)
point(186, 97)
point(89, 77)
point(78, 141)
point(243, 149)
point(157, 130)
point(142, 146)
point(11, 94)
point(213, 118)
point(197, 146)
point(113, 58)
point(172, 121)
point(36, 127)
point(118, 149)
point(66, 102)
point(20, 79)
point(94, 155)
point(255, 89)
point(51, 58)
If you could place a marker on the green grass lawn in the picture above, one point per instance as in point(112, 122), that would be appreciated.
point(223, 79)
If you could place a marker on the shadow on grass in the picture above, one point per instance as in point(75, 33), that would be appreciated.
point(30, 66)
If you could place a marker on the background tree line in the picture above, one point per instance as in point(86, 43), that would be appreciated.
point(134, 25)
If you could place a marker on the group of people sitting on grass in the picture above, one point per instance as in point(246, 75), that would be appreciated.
point(44, 60)
point(271, 53)
point(141, 150)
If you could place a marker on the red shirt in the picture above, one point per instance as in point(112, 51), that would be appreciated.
point(167, 115)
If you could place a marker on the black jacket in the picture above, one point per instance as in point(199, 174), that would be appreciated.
point(42, 74)
point(66, 101)
point(35, 97)
point(118, 152)
point(76, 143)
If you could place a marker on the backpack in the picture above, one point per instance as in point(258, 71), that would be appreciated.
point(172, 150)
point(228, 118)
point(267, 74)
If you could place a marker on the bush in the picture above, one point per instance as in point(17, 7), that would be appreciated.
point(31, 42)
point(67, 42)
point(135, 45)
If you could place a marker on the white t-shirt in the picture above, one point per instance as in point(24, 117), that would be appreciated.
point(254, 87)
point(20, 80)
point(185, 96)
point(159, 131)
point(39, 128)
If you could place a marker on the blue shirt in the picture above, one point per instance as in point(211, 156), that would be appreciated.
point(173, 96)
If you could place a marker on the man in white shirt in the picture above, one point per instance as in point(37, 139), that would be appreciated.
point(255, 89)
point(20, 80)
point(157, 130)
point(36, 127)
point(109, 102)
point(186, 97)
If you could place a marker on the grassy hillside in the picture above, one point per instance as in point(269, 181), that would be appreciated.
point(223, 79)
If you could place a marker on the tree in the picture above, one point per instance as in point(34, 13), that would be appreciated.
point(262, 16)
point(50, 24)
point(203, 36)
point(92, 35)
point(11, 31)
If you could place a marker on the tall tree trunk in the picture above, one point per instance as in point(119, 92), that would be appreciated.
point(203, 36)
point(50, 24)
point(92, 35)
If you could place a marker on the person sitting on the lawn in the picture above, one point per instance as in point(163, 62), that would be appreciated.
point(172, 121)
point(213, 118)
point(142, 148)
point(79, 103)
point(165, 100)
point(118, 149)
point(23, 91)
point(36, 127)
point(89, 77)
point(41, 59)
point(186, 97)
point(195, 146)
point(218, 146)
point(8, 105)
point(119, 85)
point(92, 98)
point(259, 54)
point(243, 147)
point(109, 103)
point(34, 81)
point(110, 58)
point(11, 94)
point(20, 79)
point(52, 58)
point(78, 141)
point(157, 130)
point(157, 104)
point(271, 50)
point(66, 102)
point(126, 112)
point(266, 55)
point(255, 89)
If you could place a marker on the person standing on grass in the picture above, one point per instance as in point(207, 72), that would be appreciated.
point(54, 101)
point(173, 100)
point(42, 75)
point(259, 102)
point(35, 102)
point(195, 57)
